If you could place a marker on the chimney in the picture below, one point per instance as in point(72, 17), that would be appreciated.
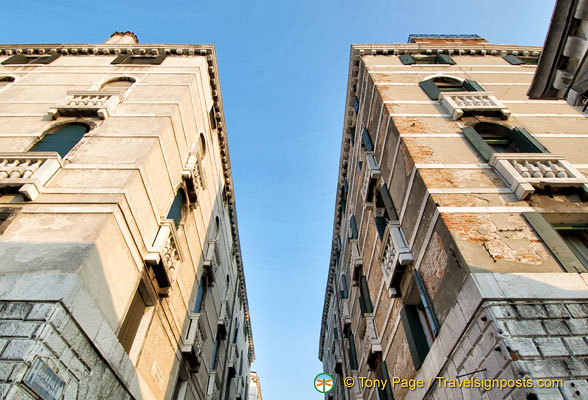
point(127, 37)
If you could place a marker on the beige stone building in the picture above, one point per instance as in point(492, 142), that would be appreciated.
point(120, 267)
point(254, 387)
point(460, 240)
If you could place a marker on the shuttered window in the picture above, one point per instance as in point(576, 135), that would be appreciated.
point(61, 140)
point(367, 140)
point(563, 252)
point(384, 194)
point(415, 336)
point(130, 325)
point(344, 292)
point(353, 227)
point(434, 86)
point(365, 302)
point(352, 353)
point(383, 376)
point(28, 59)
point(522, 60)
point(407, 59)
point(143, 60)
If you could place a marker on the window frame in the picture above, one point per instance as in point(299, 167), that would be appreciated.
point(434, 92)
point(437, 59)
point(57, 128)
point(127, 59)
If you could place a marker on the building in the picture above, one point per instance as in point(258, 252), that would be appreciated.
point(460, 239)
point(562, 72)
point(255, 387)
point(120, 267)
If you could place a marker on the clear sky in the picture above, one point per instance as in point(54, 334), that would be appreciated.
point(283, 72)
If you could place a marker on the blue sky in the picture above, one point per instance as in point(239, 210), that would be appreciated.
point(283, 72)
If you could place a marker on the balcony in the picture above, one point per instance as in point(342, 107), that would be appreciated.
point(458, 103)
point(213, 385)
point(191, 343)
point(193, 177)
point(371, 341)
point(211, 261)
point(223, 319)
point(395, 256)
point(233, 358)
point(356, 262)
point(164, 256)
point(356, 390)
point(370, 177)
point(524, 172)
point(29, 171)
point(345, 316)
point(87, 103)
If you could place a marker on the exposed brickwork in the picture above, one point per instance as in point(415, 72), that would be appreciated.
point(516, 340)
point(454, 178)
point(433, 265)
point(46, 330)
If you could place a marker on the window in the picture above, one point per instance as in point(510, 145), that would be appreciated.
point(352, 353)
point(408, 59)
point(31, 59)
point(202, 145)
point(490, 138)
point(434, 86)
point(353, 227)
point(177, 208)
point(200, 296)
point(367, 140)
point(382, 374)
point(419, 321)
point(6, 80)
point(181, 386)
point(344, 292)
point(385, 210)
point(522, 60)
point(568, 242)
point(6, 215)
point(215, 353)
point(365, 302)
point(143, 60)
point(136, 320)
point(61, 139)
point(122, 83)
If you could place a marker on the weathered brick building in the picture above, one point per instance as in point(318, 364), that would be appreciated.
point(120, 265)
point(460, 240)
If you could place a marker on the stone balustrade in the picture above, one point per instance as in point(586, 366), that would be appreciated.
point(212, 387)
point(211, 261)
point(28, 171)
point(193, 178)
point(457, 103)
point(395, 256)
point(192, 341)
point(345, 315)
point(356, 261)
point(371, 341)
point(523, 172)
point(164, 256)
point(88, 103)
point(370, 176)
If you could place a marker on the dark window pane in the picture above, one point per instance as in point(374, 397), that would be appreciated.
point(175, 211)
point(130, 325)
point(62, 140)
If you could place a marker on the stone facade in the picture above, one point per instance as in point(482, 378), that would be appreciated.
point(458, 248)
point(120, 262)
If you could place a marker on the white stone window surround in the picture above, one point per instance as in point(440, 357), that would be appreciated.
point(523, 172)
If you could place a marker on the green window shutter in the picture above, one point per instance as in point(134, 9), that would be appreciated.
point(554, 242)
point(431, 317)
point(45, 59)
point(159, 59)
point(365, 294)
point(122, 59)
point(444, 59)
point(406, 59)
point(514, 60)
point(353, 227)
point(352, 353)
point(344, 292)
point(479, 143)
point(16, 59)
point(367, 140)
point(380, 226)
point(524, 142)
point(388, 203)
point(386, 393)
point(430, 89)
point(472, 86)
point(415, 336)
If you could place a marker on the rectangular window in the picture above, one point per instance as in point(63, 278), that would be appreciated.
point(353, 227)
point(383, 376)
point(419, 321)
point(352, 353)
point(132, 321)
point(408, 59)
point(141, 60)
point(365, 301)
point(367, 140)
point(490, 138)
point(522, 60)
point(568, 243)
point(344, 292)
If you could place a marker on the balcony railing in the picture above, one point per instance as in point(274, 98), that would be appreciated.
point(356, 261)
point(223, 319)
point(345, 316)
point(370, 176)
point(164, 256)
point(88, 103)
point(395, 256)
point(212, 387)
point(457, 103)
point(29, 171)
point(193, 177)
point(192, 340)
point(371, 341)
point(524, 172)
point(211, 261)
point(233, 358)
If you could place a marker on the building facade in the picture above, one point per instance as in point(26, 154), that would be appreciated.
point(120, 266)
point(460, 240)
point(255, 387)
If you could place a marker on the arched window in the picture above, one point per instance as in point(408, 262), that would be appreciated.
point(121, 83)
point(202, 145)
point(177, 207)
point(5, 80)
point(200, 295)
point(61, 139)
point(441, 83)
